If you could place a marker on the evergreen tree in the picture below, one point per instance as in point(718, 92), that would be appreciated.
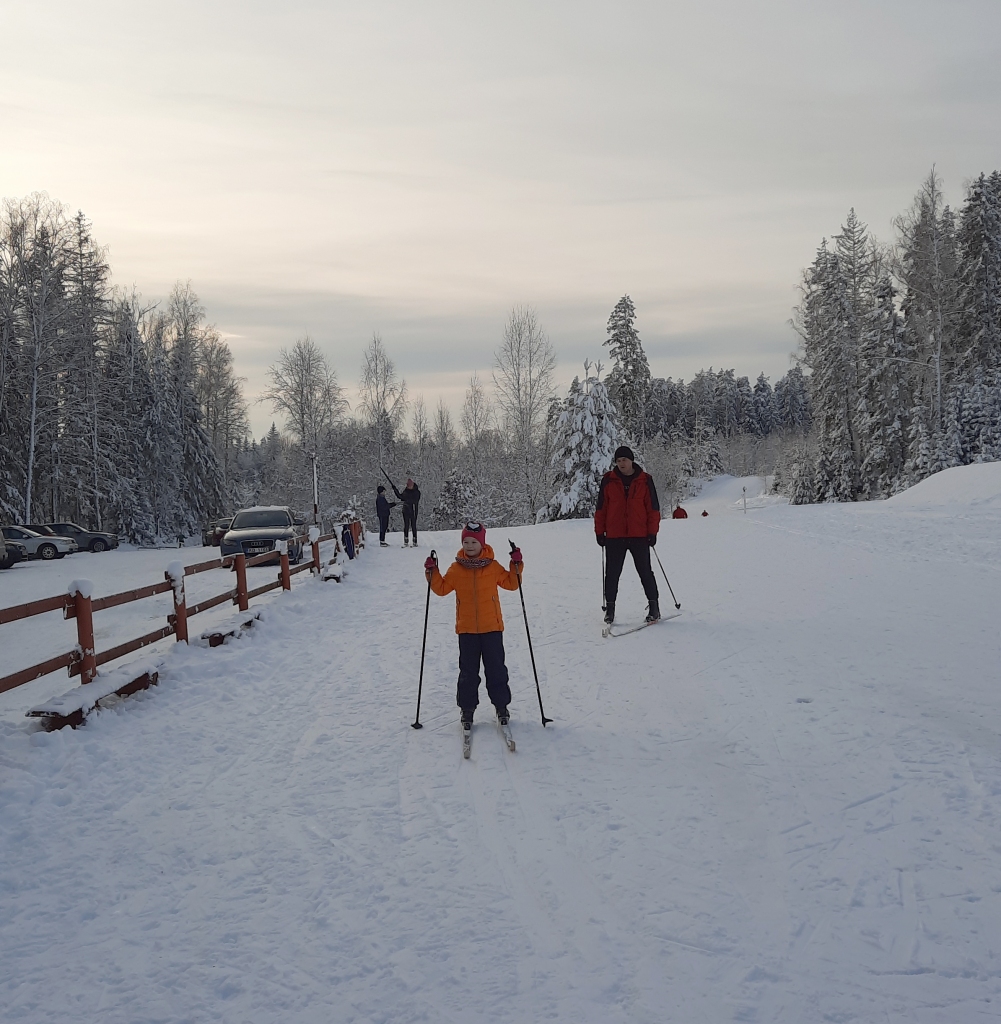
point(586, 435)
point(827, 324)
point(979, 297)
point(883, 402)
point(928, 268)
point(765, 412)
point(629, 380)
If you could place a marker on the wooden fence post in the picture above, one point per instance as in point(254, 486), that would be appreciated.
point(84, 629)
point(175, 576)
point(284, 574)
point(241, 582)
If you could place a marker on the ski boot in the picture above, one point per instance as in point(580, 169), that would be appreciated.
point(503, 715)
point(610, 613)
point(466, 717)
point(406, 543)
point(654, 613)
point(383, 544)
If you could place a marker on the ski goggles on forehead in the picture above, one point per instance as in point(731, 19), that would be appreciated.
point(474, 527)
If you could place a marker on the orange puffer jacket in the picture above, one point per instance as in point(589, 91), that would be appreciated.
point(477, 604)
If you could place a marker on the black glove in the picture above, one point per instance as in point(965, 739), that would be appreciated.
point(600, 538)
point(652, 540)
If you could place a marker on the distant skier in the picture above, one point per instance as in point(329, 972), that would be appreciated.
point(679, 512)
point(704, 512)
point(382, 510)
point(410, 496)
point(475, 577)
point(627, 518)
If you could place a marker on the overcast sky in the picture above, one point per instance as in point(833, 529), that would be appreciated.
point(418, 168)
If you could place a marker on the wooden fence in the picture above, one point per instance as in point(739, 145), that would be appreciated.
point(84, 660)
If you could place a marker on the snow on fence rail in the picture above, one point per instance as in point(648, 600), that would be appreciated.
point(83, 660)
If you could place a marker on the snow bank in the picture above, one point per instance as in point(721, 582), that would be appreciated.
point(977, 486)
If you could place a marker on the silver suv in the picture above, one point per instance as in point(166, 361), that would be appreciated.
point(38, 545)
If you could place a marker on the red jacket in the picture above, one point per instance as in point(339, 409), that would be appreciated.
point(635, 516)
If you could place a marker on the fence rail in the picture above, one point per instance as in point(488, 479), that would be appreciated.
point(84, 660)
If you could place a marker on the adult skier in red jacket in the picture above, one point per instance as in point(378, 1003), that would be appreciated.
point(627, 518)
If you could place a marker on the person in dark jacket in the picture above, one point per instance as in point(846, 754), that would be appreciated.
point(410, 497)
point(627, 518)
point(382, 510)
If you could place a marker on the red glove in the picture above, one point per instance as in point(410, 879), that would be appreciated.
point(430, 564)
point(516, 556)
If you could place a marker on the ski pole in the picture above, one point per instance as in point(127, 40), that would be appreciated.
point(604, 604)
point(677, 603)
point(528, 633)
point(416, 723)
point(390, 482)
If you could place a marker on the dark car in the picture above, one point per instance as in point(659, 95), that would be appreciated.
point(11, 552)
point(257, 530)
point(213, 534)
point(89, 540)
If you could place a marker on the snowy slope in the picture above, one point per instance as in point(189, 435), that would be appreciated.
point(782, 806)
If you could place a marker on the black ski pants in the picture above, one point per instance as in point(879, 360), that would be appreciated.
point(409, 520)
point(383, 527)
point(489, 647)
point(615, 558)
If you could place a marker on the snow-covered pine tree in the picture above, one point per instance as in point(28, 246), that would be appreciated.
point(765, 413)
point(628, 382)
point(883, 397)
point(826, 322)
point(980, 273)
point(587, 433)
point(792, 401)
point(199, 476)
point(455, 504)
point(928, 269)
point(127, 396)
point(710, 460)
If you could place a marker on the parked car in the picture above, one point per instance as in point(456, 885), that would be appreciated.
point(213, 534)
point(40, 545)
point(11, 552)
point(256, 530)
point(92, 540)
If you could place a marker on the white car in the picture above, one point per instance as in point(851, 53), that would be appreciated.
point(39, 546)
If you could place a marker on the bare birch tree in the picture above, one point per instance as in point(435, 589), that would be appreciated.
point(383, 395)
point(523, 377)
point(305, 389)
point(476, 416)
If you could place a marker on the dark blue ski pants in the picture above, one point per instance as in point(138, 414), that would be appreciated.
point(490, 648)
point(383, 527)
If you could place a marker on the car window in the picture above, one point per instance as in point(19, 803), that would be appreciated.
point(260, 518)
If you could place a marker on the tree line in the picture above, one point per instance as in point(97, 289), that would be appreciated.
point(130, 416)
point(119, 414)
point(903, 345)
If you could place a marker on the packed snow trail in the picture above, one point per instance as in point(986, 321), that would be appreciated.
point(782, 806)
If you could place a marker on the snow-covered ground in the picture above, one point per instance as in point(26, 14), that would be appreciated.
point(32, 640)
point(783, 805)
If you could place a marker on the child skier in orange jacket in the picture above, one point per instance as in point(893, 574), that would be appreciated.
point(475, 577)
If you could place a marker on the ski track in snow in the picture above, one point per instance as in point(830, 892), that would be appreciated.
point(782, 806)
